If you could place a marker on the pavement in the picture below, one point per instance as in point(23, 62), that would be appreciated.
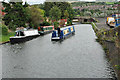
point(102, 23)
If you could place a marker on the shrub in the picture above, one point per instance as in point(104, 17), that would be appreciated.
point(69, 22)
point(45, 23)
point(4, 29)
point(12, 27)
point(56, 24)
point(117, 67)
point(31, 25)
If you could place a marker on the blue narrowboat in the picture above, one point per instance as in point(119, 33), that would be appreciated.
point(117, 19)
point(64, 32)
point(117, 22)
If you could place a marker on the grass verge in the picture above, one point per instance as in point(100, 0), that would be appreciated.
point(5, 38)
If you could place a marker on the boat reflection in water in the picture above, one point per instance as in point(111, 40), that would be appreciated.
point(23, 34)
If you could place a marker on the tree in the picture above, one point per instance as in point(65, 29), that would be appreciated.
point(47, 7)
point(71, 13)
point(4, 29)
point(16, 14)
point(65, 8)
point(62, 6)
point(55, 13)
point(41, 6)
point(66, 14)
point(56, 24)
point(36, 16)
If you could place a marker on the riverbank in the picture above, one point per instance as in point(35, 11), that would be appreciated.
point(110, 41)
point(5, 38)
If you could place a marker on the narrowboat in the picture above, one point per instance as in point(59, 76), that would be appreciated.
point(24, 35)
point(45, 29)
point(117, 22)
point(110, 21)
point(64, 32)
point(113, 21)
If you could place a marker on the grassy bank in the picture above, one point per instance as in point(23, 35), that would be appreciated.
point(110, 41)
point(5, 38)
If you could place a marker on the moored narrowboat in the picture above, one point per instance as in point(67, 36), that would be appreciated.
point(23, 35)
point(64, 32)
point(45, 29)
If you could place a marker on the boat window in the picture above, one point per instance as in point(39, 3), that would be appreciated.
point(42, 28)
point(71, 28)
point(64, 32)
point(67, 30)
point(21, 33)
point(17, 33)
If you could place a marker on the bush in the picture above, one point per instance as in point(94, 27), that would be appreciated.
point(45, 23)
point(12, 27)
point(56, 24)
point(31, 25)
point(69, 22)
point(4, 29)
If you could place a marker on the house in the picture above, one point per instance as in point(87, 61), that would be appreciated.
point(1, 8)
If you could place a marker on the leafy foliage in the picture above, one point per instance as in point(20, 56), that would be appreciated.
point(63, 6)
point(4, 29)
point(36, 16)
point(56, 24)
point(66, 14)
point(71, 13)
point(45, 23)
point(5, 38)
point(69, 22)
point(16, 14)
point(55, 13)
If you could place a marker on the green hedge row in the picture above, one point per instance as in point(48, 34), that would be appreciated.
point(3, 29)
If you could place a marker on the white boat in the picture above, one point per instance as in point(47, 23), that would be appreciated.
point(24, 35)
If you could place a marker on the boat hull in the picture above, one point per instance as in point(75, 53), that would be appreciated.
point(14, 40)
point(44, 32)
point(65, 37)
point(55, 39)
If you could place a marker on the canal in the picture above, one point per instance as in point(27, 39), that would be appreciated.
point(78, 56)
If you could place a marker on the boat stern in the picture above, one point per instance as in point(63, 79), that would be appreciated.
point(55, 36)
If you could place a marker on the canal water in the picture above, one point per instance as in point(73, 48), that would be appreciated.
point(78, 56)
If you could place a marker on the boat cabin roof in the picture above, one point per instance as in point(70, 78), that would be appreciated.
point(18, 30)
point(65, 27)
point(24, 30)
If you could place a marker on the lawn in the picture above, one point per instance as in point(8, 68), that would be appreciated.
point(110, 3)
point(5, 38)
